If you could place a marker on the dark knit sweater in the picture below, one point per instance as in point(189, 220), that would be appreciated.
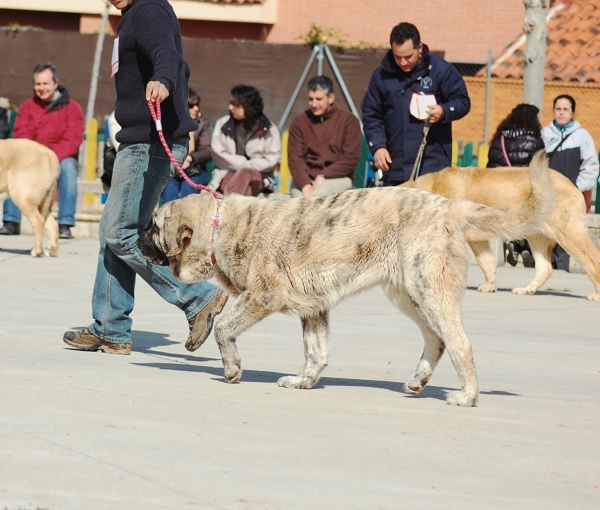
point(150, 49)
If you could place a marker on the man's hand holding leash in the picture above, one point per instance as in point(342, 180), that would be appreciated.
point(156, 90)
point(436, 113)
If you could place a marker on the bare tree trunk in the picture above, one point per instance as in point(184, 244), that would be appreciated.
point(536, 33)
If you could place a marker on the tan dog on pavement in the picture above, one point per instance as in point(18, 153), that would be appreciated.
point(304, 256)
point(29, 171)
point(506, 187)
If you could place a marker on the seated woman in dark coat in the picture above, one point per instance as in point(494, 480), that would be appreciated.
point(520, 133)
point(516, 140)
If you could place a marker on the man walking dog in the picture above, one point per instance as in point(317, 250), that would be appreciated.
point(148, 64)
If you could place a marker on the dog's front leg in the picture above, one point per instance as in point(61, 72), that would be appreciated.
point(316, 352)
point(243, 314)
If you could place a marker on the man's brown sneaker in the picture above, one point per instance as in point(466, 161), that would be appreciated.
point(201, 324)
point(87, 341)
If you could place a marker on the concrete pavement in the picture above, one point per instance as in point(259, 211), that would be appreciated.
point(161, 430)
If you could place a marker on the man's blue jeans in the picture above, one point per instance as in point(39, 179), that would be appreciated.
point(178, 188)
point(139, 176)
point(67, 196)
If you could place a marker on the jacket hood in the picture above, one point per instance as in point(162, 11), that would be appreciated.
point(262, 127)
point(556, 130)
point(515, 133)
point(62, 100)
point(317, 118)
point(389, 64)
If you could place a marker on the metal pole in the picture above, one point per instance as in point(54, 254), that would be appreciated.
point(340, 80)
point(536, 34)
point(488, 98)
point(96, 65)
point(320, 60)
point(290, 104)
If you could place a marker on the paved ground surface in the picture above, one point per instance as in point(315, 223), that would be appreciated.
point(161, 430)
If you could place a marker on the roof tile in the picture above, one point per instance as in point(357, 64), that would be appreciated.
point(573, 50)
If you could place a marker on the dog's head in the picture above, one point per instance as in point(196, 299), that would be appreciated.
point(180, 237)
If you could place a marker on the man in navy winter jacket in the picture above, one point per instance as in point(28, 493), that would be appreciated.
point(393, 134)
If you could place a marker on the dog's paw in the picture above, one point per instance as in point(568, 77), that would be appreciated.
point(594, 297)
point(36, 253)
point(51, 252)
point(487, 287)
point(412, 388)
point(523, 291)
point(295, 381)
point(233, 373)
point(458, 398)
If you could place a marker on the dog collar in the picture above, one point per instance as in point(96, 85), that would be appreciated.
point(216, 221)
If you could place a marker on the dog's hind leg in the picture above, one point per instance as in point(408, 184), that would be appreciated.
point(434, 347)
point(51, 225)
point(444, 319)
point(541, 249)
point(432, 352)
point(243, 314)
point(435, 290)
point(485, 259)
point(316, 352)
point(31, 212)
point(576, 241)
point(52, 230)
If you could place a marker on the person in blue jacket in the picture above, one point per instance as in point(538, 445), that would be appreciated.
point(393, 134)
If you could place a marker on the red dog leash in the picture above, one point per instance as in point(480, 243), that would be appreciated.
point(156, 116)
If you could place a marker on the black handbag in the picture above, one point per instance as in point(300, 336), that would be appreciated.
point(108, 163)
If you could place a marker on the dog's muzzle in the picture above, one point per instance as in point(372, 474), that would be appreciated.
point(150, 251)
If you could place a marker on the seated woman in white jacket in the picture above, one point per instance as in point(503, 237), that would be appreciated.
point(246, 146)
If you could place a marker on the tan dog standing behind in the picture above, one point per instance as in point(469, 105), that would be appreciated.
point(304, 256)
point(506, 187)
point(29, 171)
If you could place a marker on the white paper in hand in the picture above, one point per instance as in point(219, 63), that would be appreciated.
point(419, 104)
point(114, 61)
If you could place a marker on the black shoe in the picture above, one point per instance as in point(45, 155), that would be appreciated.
point(64, 232)
point(10, 228)
point(527, 258)
point(512, 256)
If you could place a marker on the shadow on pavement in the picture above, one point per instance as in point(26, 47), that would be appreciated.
point(262, 376)
point(146, 341)
point(16, 252)
point(541, 293)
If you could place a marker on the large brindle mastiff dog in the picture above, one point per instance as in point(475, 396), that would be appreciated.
point(304, 256)
point(506, 187)
point(29, 171)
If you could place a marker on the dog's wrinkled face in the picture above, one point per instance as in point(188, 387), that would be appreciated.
point(149, 248)
point(180, 237)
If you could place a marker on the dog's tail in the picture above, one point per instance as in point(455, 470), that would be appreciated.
point(523, 219)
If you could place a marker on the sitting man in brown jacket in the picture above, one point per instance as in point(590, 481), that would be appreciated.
point(324, 144)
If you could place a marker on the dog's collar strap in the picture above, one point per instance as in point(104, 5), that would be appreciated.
point(216, 221)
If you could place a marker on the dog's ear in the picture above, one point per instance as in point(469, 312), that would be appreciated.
point(184, 236)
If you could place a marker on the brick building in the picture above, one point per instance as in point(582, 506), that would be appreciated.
point(465, 30)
